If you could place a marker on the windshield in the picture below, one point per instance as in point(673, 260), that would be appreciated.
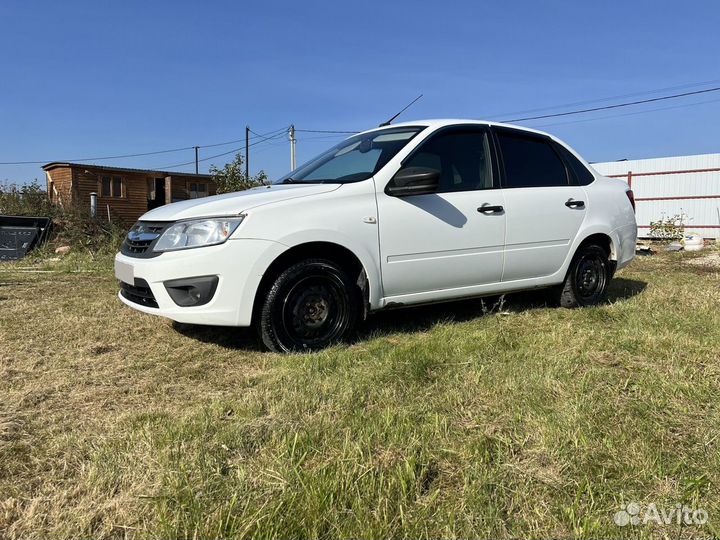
point(354, 159)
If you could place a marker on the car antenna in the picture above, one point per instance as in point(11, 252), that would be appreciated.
point(401, 111)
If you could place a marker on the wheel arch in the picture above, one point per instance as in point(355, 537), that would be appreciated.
point(603, 240)
point(591, 235)
point(597, 237)
point(342, 255)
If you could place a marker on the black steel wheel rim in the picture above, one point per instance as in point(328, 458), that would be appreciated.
point(590, 277)
point(315, 310)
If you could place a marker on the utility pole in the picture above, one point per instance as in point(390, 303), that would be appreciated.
point(196, 159)
point(291, 134)
point(247, 152)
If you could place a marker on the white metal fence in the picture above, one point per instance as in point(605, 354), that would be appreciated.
point(670, 186)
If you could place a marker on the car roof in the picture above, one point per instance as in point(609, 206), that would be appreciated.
point(443, 122)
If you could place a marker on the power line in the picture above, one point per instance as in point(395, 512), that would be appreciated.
point(611, 98)
point(265, 136)
point(616, 106)
point(97, 158)
point(248, 131)
point(241, 140)
point(276, 133)
point(265, 140)
point(165, 167)
point(104, 158)
point(577, 103)
point(269, 146)
point(629, 113)
point(234, 151)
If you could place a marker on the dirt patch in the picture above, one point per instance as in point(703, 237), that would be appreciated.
point(712, 260)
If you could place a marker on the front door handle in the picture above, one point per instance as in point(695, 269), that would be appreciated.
point(575, 204)
point(487, 209)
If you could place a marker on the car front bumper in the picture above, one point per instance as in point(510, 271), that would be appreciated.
point(239, 265)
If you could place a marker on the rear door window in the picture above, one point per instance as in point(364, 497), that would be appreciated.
point(582, 176)
point(530, 161)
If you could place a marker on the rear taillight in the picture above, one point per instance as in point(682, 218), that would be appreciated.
point(631, 196)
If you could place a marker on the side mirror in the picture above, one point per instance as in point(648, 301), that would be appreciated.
point(413, 181)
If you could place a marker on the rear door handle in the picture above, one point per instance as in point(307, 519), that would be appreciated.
point(487, 209)
point(575, 204)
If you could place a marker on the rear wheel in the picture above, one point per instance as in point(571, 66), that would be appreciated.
point(311, 305)
point(587, 279)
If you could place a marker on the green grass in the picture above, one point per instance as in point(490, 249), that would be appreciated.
point(440, 421)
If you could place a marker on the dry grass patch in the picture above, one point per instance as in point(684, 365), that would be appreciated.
point(436, 422)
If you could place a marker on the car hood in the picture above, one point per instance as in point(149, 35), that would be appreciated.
point(234, 203)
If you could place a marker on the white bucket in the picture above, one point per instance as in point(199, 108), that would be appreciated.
point(693, 241)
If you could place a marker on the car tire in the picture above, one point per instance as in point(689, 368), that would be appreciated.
point(311, 305)
point(587, 280)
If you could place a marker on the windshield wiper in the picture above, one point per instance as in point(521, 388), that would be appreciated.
point(293, 181)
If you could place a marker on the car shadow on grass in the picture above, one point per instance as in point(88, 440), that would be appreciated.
point(623, 289)
point(413, 319)
point(420, 318)
point(227, 337)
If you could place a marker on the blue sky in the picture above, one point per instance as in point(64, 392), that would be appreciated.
point(97, 78)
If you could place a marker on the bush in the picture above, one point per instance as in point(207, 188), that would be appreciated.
point(77, 228)
point(668, 227)
point(27, 200)
point(232, 177)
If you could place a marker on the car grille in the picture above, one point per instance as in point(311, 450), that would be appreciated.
point(139, 293)
point(140, 239)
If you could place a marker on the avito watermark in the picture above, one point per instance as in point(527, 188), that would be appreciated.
point(634, 514)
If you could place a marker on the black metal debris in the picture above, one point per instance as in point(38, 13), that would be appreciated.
point(20, 234)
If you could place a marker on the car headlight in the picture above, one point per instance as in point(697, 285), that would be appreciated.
point(197, 233)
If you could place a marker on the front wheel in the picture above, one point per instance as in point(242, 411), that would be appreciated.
point(587, 279)
point(311, 305)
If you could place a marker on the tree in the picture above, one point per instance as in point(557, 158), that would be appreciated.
point(232, 176)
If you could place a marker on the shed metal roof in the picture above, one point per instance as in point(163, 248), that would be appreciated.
point(151, 172)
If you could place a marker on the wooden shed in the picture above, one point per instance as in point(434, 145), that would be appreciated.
point(128, 193)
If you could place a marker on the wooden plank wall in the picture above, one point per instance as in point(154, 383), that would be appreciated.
point(127, 208)
point(74, 184)
point(181, 186)
point(62, 180)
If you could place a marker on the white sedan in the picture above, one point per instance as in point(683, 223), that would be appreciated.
point(414, 213)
